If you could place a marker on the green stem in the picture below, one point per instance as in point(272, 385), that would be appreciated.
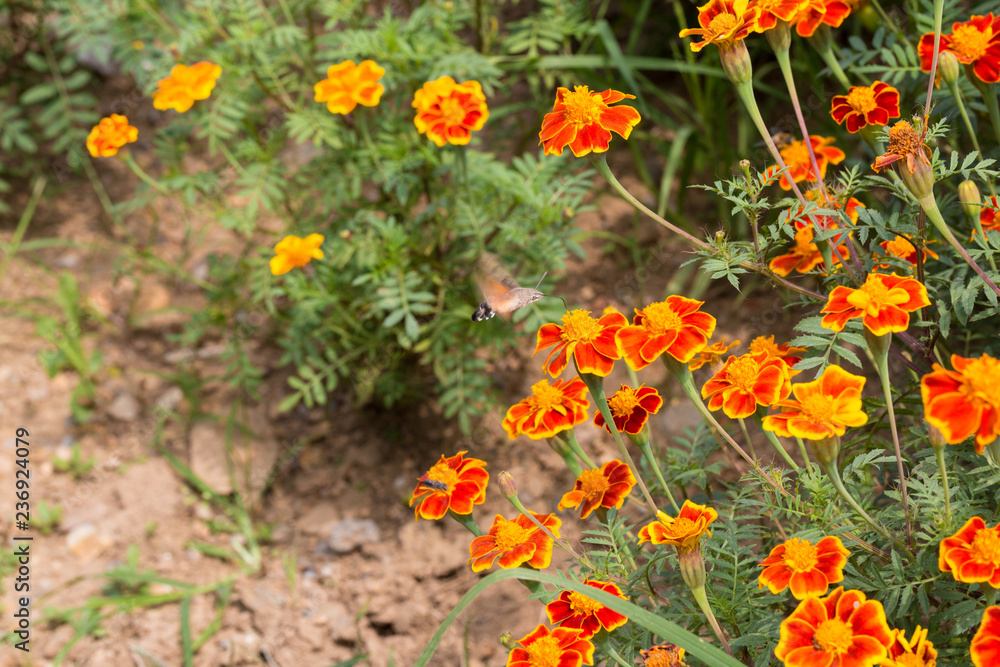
point(516, 502)
point(834, 474)
point(990, 99)
point(22, 226)
point(939, 454)
point(773, 439)
point(785, 63)
point(467, 521)
point(804, 452)
point(601, 641)
point(569, 437)
point(938, 17)
point(929, 205)
point(746, 436)
point(881, 353)
point(141, 173)
point(702, 599)
point(647, 451)
point(823, 44)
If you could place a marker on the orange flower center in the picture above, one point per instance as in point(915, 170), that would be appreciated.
point(593, 483)
point(903, 139)
point(833, 636)
point(583, 605)
point(796, 153)
point(722, 24)
point(968, 43)
point(582, 106)
point(743, 373)
point(452, 111)
point(544, 652)
point(661, 318)
point(909, 660)
point(819, 409)
point(544, 396)
point(985, 547)
point(800, 555)
point(761, 344)
point(442, 472)
point(861, 99)
point(623, 402)
point(874, 296)
point(681, 526)
point(579, 326)
point(509, 535)
point(981, 381)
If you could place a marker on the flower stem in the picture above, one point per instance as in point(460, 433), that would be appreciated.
point(773, 439)
point(939, 454)
point(569, 437)
point(834, 475)
point(531, 517)
point(601, 640)
point(938, 17)
point(990, 99)
point(702, 599)
point(647, 451)
point(141, 173)
point(934, 215)
point(785, 63)
point(467, 521)
point(881, 354)
point(804, 452)
point(823, 44)
point(746, 436)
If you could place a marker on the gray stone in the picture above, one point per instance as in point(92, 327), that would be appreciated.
point(349, 534)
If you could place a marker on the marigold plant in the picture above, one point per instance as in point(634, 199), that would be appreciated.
point(185, 86)
point(805, 568)
point(607, 486)
point(347, 85)
point(449, 112)
point(574, 610)
point(584, 121)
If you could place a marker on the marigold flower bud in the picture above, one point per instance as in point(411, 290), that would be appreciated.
point(692, 565)
point(968, 195)
point(780, 36)
point(508, 487)
point(936, 437)
point(920, 181)
point(736, 62)
point(948, 67)
point(507, 641)
point(640, 439)
point(826, 450)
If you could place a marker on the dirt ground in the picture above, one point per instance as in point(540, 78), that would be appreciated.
point(346, 571)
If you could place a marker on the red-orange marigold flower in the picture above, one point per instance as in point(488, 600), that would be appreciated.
point(974, 42)
point(972, 555)
point(806, 568)
point(512, 543)
point(674, 326)
point(454, 483)
point(866, 105)
point(551, 408)
point(559, 647)
point(964, 401)
point(769, 12)
point(712, 354)
point(577, 611)
point(903, 248)
point(293, 252)
point(683, 532)
point(185, 85)
point(745, 382)
point(913, 652)
point(630, 408)
point(795, 155)
point(988, 215)
point(722, 22)
point(817, 12)
point(985, 647)
point(109, 135)
point(785, 351)
point(904, 144)
point(347, 85)
point(449, 112)
point(607, 486)
point(590, 341)
point(663, 655)
point(822, 408)
point(884, 303)
point(582, 120)
point(805, 255)
point(843, 629)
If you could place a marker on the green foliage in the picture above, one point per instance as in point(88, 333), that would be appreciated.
point(75, 465)
point(46, 517)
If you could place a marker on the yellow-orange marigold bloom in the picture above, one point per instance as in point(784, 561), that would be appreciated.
point(974, 42)
point(551, 408)
point(988, 215)
point(769, 12)
point(972, 555)
point(866, 105)
point(683, 532)
point(795, 155)
point(576, 611)
point(582, 120)
point(675, 326)
point(455, 483)
point(965, 401)
point(985, 647)
point(185, 85)
point(884, 303)
point(560, 647)
point(630, 408)
point(712, 354)
point(449, 112)
point(511, 543)
point(663, 655)
point(590, 341)
point(803, 257)
point(843, 629)
point(904, 144)
point(347, 85)
point(746, 381)
point(903, 248)
point(818, 12)
point(915, 652)
point(292, 252)
point(607, 486)
point(722, 22)
point(822, 408)
point(805, 568)
point(786, 352)
point(109, 135)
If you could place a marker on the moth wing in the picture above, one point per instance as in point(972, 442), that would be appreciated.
point(492, 272)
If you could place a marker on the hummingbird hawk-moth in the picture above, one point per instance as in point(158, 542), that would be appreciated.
point(502, 295)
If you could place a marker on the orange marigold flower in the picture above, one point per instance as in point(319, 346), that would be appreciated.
point(988, 217)
point(515, 542)
point(884, 302)
point(806, 568)
point(292, 252)
point(542, 647)
point(454, 483)
point(712, 354)
point(109, 135)
point(347, 85)
point(769, 12)
point(985, 647)
point(630, 408)
point(785, 351)
point(974, 42)
point(822, 408)
point(817, 12)
point(745, 382)
point(843, 629)
point(582, 120)
point(866, 105)
point(663, 655)
point(805, 255)
point(674, 326)
point(904, 144)
point(551, 408)
point(685, 531)
point(591, 342)
point(185, 85)
point(903, 248)
point(449, 112)
point(795, 155)
point(607, 486)
point(576, 611)
point(915, 652)
point(722, 22)
point(972, 555)
point(964, 401)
